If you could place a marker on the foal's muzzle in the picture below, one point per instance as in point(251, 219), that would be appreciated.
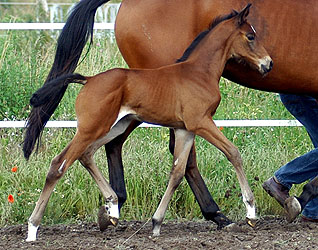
point(265, 65)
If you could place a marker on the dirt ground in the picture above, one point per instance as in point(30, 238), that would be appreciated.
point(269, 233)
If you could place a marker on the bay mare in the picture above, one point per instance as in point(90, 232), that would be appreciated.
point(183, 96)
point(287, 29)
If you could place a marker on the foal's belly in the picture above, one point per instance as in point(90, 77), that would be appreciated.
point(150, 116)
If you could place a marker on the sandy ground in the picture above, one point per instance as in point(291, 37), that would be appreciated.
point(269, 233)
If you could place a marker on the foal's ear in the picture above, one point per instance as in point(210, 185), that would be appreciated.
point(243, 14)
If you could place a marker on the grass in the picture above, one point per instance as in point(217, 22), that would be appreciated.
point(147, 165)
point(25, 60)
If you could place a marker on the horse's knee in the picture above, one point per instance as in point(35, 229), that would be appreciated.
point(56, 170)
point(234, 156)
point(176, 176)
point(85, 159)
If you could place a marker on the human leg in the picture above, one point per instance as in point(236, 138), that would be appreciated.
point(297, 171)
point(305, 109)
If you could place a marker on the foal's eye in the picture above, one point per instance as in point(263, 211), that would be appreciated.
point(250, 37)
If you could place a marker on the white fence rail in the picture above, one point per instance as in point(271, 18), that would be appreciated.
point(219, 123)
point(48, 26)
point(56, 12)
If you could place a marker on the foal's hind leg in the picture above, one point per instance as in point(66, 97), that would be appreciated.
point(183, 144)
point(208, 206)
point(109, 213)
point(208, 130)
point(58, 167)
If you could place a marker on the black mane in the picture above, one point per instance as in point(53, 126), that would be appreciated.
point(203, 34)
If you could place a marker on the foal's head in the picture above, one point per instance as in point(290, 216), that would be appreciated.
point(244, 45)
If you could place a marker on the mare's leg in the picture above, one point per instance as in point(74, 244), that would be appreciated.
point(295, 205)
point(208, 206)
point(208, 130)
point(183, 143)
point(115, 164)
point(58, 167)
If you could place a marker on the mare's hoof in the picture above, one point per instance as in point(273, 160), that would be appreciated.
point(292, 208)
point(221, 220)
point(104, 220)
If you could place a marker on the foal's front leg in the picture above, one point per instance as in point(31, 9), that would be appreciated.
point(208, 206)
point(183, 144)
point(208, 130)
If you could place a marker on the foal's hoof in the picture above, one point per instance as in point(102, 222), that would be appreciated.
point(156, 225)
point(251, 222)
point(104, 220)
point(292, 208)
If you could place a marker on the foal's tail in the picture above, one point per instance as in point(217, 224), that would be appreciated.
point(71, 42)
point(45, 97)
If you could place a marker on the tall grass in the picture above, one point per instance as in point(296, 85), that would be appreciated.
point(25, 59)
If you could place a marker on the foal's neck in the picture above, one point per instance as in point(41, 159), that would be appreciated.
point(212, 54)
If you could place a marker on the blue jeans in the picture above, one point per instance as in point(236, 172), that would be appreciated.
point(305, 167)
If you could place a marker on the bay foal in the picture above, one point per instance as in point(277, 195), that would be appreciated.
point(182, 96)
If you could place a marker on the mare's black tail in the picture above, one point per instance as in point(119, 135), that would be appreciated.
point(71, 42)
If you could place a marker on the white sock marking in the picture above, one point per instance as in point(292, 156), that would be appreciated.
point(251, 212)
point(112, 209)
point(32, 230)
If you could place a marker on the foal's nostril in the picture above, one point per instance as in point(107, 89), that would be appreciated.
point(267, 67)
point(264, 69)
point(271, 65)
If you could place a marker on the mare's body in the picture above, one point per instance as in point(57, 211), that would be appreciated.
point(287, 29)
